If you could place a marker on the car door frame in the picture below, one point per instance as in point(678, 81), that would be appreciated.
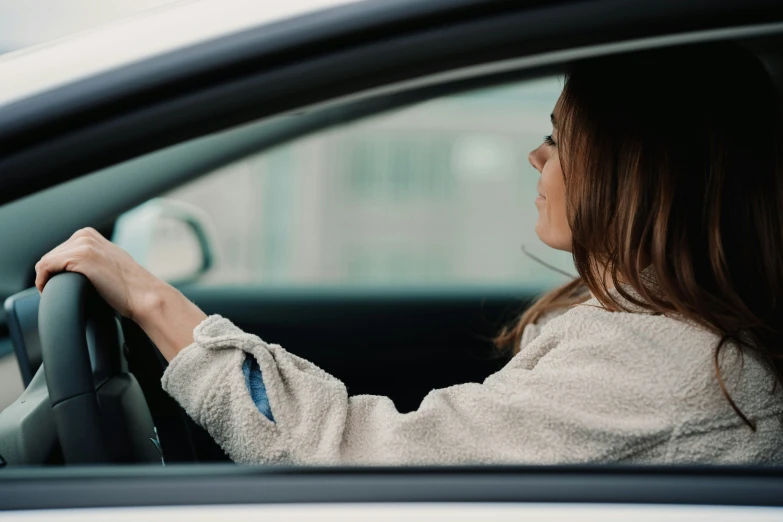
point(153, 110)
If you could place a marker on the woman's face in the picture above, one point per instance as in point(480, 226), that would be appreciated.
point(552, 225)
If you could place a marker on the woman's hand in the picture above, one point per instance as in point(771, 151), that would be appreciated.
point(120, 281)
point(163, 313)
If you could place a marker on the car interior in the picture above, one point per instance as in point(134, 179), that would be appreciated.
point(400, 342)
point(395, 337)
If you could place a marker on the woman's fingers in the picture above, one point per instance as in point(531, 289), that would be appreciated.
point(65, 259)
point(74, 255)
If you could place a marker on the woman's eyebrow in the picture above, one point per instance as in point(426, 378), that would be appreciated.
point(552, 119)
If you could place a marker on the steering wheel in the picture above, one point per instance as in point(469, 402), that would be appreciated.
point(99, 409)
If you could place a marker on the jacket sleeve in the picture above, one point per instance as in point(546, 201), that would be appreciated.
point(516, 416)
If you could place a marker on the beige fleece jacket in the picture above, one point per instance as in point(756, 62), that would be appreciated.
point(589, 386)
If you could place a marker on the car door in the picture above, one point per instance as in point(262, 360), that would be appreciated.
point(141, 119)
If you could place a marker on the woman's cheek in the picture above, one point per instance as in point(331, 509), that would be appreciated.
point(557, 218)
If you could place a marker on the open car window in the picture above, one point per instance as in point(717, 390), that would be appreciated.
point(434, 195)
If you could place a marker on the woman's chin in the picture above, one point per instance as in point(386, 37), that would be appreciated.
point(546, 237)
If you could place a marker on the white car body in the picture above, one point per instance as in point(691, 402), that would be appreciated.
point(53, 64)
point(424, 512)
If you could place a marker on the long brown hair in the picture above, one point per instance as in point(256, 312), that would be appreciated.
point(672, 164)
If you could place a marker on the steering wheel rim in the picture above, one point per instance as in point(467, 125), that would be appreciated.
point(99, 410)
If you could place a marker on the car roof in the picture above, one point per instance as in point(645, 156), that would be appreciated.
point(182, 24)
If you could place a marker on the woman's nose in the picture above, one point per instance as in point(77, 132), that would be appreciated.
point(535, 158)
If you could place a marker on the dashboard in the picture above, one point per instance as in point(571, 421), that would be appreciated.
point(22, 316)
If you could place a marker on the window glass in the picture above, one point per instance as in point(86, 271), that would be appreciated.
point(440, 193)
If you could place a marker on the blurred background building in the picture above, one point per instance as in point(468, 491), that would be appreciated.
point(436, 194)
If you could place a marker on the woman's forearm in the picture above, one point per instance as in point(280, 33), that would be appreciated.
point(168, 318)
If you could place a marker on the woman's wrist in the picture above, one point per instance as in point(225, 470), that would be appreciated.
point(168, 318)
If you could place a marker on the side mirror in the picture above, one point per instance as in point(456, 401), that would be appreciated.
point(171, 239)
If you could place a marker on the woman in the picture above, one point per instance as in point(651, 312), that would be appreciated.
point(661, 177)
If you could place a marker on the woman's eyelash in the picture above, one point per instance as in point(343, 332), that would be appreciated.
point(549, 141)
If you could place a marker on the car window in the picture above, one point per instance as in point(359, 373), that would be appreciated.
point(437, 194)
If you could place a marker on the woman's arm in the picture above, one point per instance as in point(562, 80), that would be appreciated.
point(553, 413)
point(168, 318)
point(565, 411)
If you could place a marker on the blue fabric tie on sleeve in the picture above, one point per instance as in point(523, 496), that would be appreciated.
point(255, 385)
